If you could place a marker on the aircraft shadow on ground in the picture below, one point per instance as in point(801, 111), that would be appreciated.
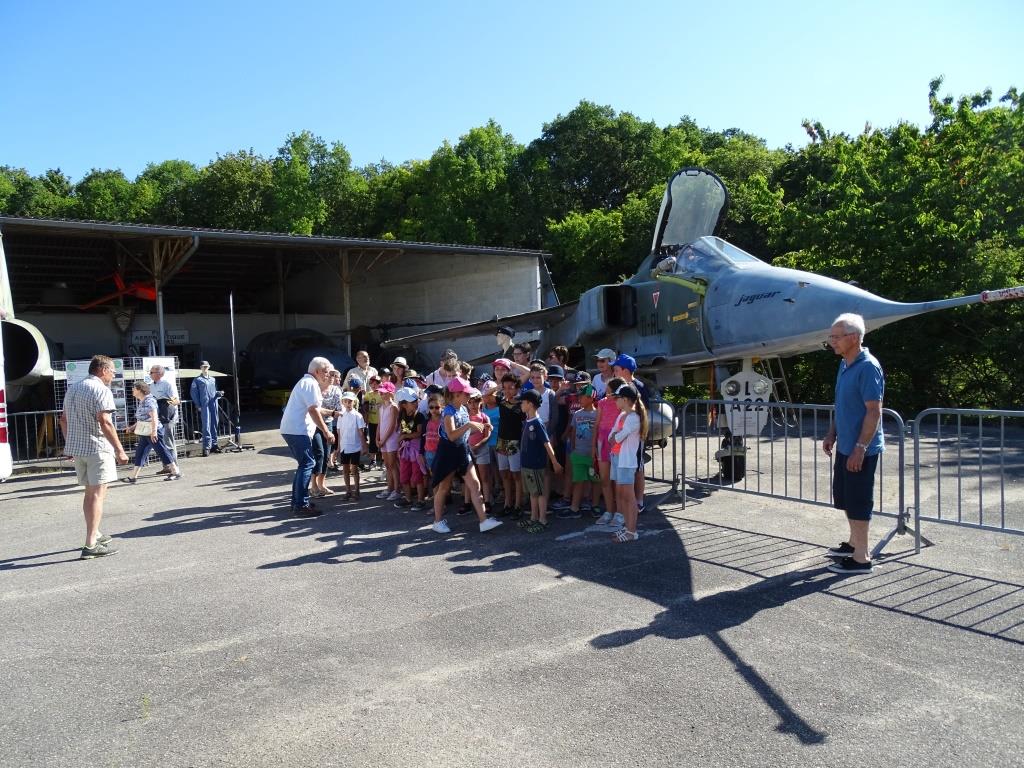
point(657, 569)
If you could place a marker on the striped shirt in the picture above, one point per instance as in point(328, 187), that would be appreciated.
point(82, 403)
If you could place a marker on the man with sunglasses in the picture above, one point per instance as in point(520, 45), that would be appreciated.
point(856, 435)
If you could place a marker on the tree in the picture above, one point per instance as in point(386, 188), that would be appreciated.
point(175, 183)
point(233, 192)
point(109, 196)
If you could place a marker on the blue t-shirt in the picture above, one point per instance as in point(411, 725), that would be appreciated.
point(532, 452)
point(494, 414)
point(857, 384)
point(461, 417)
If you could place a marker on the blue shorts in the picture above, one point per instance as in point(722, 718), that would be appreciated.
point(621, 475)
point(854, 492)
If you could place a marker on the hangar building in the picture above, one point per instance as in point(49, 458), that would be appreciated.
point(95, 287)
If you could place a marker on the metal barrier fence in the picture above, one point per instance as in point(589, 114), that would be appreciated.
point(662, 447)
point(969, 468)
point(36, 438)
point(783, 458)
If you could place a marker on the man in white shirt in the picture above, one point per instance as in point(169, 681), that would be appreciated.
point(163, 388)
point(302, 417)
point(90, 437)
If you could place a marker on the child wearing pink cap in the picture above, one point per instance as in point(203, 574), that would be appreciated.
point(387, 440)
point(453, 458)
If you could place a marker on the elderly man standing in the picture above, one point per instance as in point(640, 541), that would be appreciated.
point(856, 435)
point(204, 397)
point(165, 391)
point(90, 437)
point(302, 418)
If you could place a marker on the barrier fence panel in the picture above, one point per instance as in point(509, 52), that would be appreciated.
point(36, 438)
point(969, 468)
point(774, 449)
point(661, 450)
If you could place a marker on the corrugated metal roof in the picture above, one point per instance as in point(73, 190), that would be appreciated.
point(268, 239)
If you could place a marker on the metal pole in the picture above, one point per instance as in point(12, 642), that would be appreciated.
point(160, 316)
point(234, 371)
point(346, 281)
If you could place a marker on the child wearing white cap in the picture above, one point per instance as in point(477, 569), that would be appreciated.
point(352, 441)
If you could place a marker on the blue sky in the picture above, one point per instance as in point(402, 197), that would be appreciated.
point(119, 85)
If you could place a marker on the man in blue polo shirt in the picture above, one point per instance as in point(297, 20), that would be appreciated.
point(856, 435)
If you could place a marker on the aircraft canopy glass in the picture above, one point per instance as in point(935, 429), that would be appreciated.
point(708, 255)
point(692, 207)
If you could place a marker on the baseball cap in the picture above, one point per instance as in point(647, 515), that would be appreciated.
point(625, 361)
point(627, 391)
point(587, 390)
point(510, 332)
point(488, 386)
point(556, 371)
point(582, 377)
point(473, 392)
point(531, 396)
point(387, 386)
point(459, 384)
point(204, 364)
point(350, 396)
point(606, 354)
point(503, 361)
point(406, 395)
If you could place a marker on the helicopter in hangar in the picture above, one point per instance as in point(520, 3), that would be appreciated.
point(697, 300)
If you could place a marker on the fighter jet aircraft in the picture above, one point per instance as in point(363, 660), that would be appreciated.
point(697, 300)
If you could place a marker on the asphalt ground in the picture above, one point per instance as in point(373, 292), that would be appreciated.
point(226, 633)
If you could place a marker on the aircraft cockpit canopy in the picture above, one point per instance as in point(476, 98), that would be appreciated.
point(693, 206)
point(706, 257)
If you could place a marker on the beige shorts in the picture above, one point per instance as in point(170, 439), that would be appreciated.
point(97, 469)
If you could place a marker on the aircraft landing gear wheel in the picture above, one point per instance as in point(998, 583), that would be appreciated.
point(732, 460)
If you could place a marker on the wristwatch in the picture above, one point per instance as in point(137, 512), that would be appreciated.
point(861, 445)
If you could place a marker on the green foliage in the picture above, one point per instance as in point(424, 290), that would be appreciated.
point(909, 213)
point(915, 215)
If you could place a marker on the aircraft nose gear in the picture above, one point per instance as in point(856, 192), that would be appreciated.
point(732, 459)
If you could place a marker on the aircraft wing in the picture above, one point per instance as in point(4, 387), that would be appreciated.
point(526, 322)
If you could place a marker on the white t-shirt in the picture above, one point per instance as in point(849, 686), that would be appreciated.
point(599, 384)
point(626, 432)
point(296, 419)
point(349, 424)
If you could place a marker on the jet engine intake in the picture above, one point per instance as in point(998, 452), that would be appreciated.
point(26, 353)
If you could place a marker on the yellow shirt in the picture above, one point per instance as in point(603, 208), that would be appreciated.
point(372, 401)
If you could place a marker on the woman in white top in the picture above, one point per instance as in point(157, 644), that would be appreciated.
point(363, 370)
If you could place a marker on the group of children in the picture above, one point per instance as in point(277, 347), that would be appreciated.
point(530, 432)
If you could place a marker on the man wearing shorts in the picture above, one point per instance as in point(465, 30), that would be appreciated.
point(856, 434)
point(90, 437)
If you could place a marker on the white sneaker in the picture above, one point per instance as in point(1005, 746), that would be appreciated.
point(618, 521)
point(604, 519)
point(442, 527)
point(395, 496)
point(383, 494)
point(489, 524)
